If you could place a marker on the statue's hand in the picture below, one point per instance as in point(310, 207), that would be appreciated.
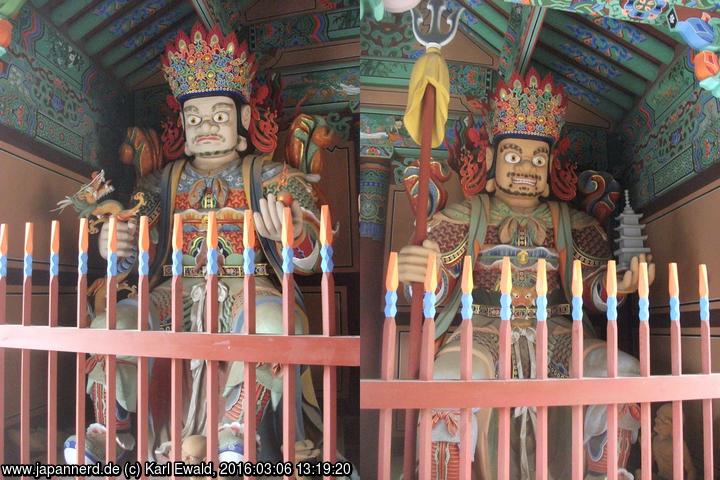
point(268, 221)
point(412, 261)
point(125, 238)
point(630, 279)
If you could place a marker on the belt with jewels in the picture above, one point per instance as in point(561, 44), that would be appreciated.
point(261, 270)
point(520, 311)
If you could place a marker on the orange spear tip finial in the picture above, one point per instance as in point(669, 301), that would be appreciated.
point(577, 280)
point(611, 279)
point(506, 276)
point(287, 228)
point(673, 287)
point(326, 233)
point(541, 283)
point(431, 274)
point(112, 235)
point(467, 275)
point(703, 289)
point(212, 234)
point(391, 277)
point(177, 238)
point(248, 229)
point(643, 284)
point(144, 234)
point(83, 235)
point(28, 238)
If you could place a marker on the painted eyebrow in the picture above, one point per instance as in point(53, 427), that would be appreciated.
point(222, 105)
point(510, 145)
point(541, 150)
point(191, 109)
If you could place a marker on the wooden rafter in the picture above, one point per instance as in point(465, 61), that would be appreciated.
point(50, 6)
point(174, 26)
point(78, 15)
point(131, 5)
point(142, 25)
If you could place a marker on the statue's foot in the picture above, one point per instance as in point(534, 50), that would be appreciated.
point(95, 445)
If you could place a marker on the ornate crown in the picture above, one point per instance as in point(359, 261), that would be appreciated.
point(528, 107)
point(208, 63)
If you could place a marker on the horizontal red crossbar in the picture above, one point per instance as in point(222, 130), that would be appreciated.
point(295, 349)
point(412, 394)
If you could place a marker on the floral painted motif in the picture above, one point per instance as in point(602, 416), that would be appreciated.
point(647, 10)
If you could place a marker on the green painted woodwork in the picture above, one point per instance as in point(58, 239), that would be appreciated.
point(67, 9)
point(593, 61)
point(520, 39)
point(490, 15)
point(599, 43)
point(643, 11)
point(595, 102)
point(592, 83)
point(631, 34)
point(9, 8)
point(488, 34)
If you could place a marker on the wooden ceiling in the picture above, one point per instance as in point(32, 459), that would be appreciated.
point(605, 64)
point(125, 37)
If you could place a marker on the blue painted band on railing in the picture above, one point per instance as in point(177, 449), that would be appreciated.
point(429, 300)
point(287, 263)
point(505, 304)
point(249, 261)
point(213, 266)
point(112, 264)
point(144, 264)
point(177, 267)
point(54, 264)
point(3, 266)
point(83, 263)
point(466, 311)
point(644, 309)
point(541, 305)
point(674, 309)
point(391, 303)
point(612, 308)
point(577, 311)
point(326, 252)
point(704, 309)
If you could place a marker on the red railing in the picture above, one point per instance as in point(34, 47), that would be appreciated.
point(289, 350)
point(388, 394)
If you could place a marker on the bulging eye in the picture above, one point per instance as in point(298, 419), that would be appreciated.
point(539, 160)
point(193, 120)
point(221, 117)
point(512, 157)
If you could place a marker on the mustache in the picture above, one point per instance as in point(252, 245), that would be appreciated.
point(516, 193)
point(534, 176)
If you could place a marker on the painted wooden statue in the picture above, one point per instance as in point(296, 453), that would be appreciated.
point(211, 77)
point(515, 217)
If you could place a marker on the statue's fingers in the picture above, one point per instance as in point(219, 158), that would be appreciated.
point(266, 218)
point(411, 274)
point(279, 210)
point(651, 273)
point(625, 282)
point(431, 244)
point(260, 224)
point(415, 250)
point(273, 209)
point(420, 260)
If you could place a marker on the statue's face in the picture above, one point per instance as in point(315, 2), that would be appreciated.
point(522, 167)
point(210, 126)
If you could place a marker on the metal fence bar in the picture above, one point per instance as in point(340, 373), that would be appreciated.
point(249, 384)
point(25, 354)
point(541, 362)
point(612, 369)
point(3, 297)
point(427, 357)
point(676, 362)
point(387, 368)
point(211, 327)
point(177, 325)
point(505, 369)
point(576, 371)
point(288, 299)
point(143, 372)
point(52, 356)
point(466, 373)
point(329, 330)
point(703, 293)
point(110, 360)
point(80, 356)
point(645, 423)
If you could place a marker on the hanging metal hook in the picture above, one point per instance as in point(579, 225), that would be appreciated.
point(435, 37)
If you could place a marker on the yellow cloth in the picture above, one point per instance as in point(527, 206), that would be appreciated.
point(429, 69)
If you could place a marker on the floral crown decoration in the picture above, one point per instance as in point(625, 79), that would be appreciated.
point(207, 63)
point(529, 107)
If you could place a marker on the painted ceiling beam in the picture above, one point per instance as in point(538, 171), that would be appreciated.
point(152, 20)
point(592, 83)
point(480, 41)
point(208, 11)
point(591, 60)
point(104, 14)
point(603, 45)
point(652, 12)
point(479, 23)
point(603, 107)
point(156, 44)
point(482, 11)
point(635, 36)
point(520, 39)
